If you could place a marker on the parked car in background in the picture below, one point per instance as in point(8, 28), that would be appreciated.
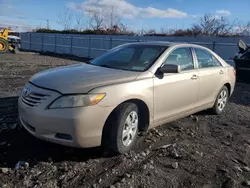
point(242, 62)
point(130, 89)
point(14, 42)
point(14, 39)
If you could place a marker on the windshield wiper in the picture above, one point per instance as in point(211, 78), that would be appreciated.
point(111, 67)
point(88, 62)
point(106, 66)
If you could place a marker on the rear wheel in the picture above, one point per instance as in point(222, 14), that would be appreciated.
point(221, 101)
point(4, 46)
point(121, 130)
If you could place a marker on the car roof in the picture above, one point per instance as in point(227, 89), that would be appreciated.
point(154, 43)
point(165, 44)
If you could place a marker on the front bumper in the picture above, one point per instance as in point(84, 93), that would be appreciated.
point(75, 127)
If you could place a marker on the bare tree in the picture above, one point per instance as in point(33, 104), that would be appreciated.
point(167, 31)
point(123, 28)
point(113, 16)
point(28, 28)
point(65, 19)
point(163, 31)
point(79, 21)
point(38, 27)
point(243, 29)
point(140, 32)
point(96, 18)
point(212, 25)
point(246, 30)
point(150, 32)
point(106, 17)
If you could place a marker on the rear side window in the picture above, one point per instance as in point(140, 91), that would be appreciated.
point(206, 59)
point(182, 57)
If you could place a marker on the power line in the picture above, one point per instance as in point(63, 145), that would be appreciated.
point(22, 17)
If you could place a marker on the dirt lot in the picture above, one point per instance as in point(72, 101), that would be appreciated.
point(201, 151)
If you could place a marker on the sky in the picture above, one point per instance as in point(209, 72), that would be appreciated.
point(135, 14)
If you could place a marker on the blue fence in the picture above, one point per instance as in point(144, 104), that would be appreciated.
point(94, 45)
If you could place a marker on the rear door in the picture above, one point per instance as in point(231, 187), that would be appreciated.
point(211, 76)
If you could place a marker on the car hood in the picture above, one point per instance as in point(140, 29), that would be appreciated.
point(80, 78)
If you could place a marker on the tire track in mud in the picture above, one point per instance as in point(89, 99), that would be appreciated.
point(136, 165)
point(113, 170)
point(114, 178)
point(89, 176)
point(87, 179)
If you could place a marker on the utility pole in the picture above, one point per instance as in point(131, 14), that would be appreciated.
point(47, 23)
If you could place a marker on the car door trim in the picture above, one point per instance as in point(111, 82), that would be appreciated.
point(194, 58)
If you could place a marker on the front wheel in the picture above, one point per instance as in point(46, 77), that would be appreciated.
point(221, 101)
point(122, 128)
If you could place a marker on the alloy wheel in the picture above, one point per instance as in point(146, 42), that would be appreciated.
point(222, 100)
point(130, 128)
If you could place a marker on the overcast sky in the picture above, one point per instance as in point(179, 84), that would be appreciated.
point(136, 14)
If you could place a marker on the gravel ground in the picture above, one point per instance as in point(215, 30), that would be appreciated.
point(201, 151)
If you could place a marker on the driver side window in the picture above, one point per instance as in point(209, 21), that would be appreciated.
point(182, 57)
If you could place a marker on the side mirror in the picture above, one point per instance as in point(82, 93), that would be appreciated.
point(170, 68)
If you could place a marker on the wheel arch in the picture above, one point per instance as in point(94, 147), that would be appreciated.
point(144, 119)
point(228, 87)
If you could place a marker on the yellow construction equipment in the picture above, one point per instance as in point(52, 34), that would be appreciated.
point(4, 44)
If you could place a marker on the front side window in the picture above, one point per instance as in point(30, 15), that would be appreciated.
point(206, 59)
point(131, 57)
point(182, 57)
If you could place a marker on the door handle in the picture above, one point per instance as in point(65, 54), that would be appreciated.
point(194, 77)
point(221, 71)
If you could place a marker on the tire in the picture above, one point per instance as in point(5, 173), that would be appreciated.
point(117, 124)
point(218, 107)
point(6, 46)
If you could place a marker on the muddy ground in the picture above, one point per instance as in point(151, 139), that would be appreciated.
point(201, 151)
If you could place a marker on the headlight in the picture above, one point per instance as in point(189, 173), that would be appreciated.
point(70, 101)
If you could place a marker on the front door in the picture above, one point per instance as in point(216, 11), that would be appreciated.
point(177, 93)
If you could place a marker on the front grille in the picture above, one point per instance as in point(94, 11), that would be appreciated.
point(33, 99)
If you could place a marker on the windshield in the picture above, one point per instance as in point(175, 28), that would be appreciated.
point(131, 57)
